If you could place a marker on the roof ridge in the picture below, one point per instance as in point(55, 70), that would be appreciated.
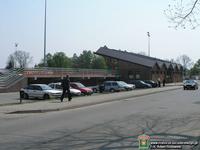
point(140, 55)
point(142, 59)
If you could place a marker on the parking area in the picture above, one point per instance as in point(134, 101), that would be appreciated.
point(14, 97)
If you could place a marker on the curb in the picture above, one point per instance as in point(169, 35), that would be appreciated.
point(87, 104)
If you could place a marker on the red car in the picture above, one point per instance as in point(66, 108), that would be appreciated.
point(82, 88)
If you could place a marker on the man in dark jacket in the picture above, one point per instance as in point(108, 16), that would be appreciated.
point(66, 87)
point(164, 82)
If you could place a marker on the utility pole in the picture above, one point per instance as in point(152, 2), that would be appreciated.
point(148, 34)
point(45, 20)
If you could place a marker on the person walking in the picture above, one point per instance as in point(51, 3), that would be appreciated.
point(164, 82)
point(158, 82)
point(66, 87)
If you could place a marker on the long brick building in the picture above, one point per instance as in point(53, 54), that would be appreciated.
point(132, 66)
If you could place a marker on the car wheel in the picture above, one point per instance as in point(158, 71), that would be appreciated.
point(46, 96)
point(112, 90)
point(95, 90)
point(26, 96)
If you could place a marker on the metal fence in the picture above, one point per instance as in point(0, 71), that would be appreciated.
point(72, 72)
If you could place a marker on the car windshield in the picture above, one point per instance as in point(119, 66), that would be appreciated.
point(122, 83)
point(189, 81)
point(45, 87)
point(58, 86)
point(142, 82)
point(80, 85)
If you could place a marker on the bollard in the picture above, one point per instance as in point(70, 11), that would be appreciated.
point(21, 95)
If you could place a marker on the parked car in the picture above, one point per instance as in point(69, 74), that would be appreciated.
point(84, 90)
point(42, 91)
point(95, 89)
point(140, 84)
point(190, 84)
point(127, 86)
point(151, 82)
point(58, 86)
point(111, 86)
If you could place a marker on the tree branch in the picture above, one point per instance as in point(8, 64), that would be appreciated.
point(194, 5)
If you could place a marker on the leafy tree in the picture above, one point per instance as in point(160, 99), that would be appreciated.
point(75, 61)
point(195, 70)
point(85, 59)
point(10, 62)
point(99, 62)
point(184, 13)
point(49, 59)
point(59, 59)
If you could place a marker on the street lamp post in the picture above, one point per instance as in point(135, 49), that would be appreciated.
point(45, 20)
point(148, 34)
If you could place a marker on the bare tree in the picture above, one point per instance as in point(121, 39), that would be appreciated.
point(20, 59)
point(182, 13)
point(185, 61)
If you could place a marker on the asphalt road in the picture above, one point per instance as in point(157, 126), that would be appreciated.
point(170, 115)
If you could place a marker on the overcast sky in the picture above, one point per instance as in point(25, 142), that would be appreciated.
point(76, 25)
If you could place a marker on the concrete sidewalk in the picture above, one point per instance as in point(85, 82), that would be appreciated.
point(56, 105)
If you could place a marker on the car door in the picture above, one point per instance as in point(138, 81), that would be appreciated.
point(29, 91)
point(39, 92)
point(107, 86)
point(115, 86)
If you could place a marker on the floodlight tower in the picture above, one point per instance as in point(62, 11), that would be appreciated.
point(148, 34)
point(45, 27)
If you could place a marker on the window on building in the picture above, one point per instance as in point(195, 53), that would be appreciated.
point(137, 76)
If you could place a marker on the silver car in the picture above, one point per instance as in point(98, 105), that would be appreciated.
point(127, 86)
point(112, 86)
point(58, 86)
point(41, 91)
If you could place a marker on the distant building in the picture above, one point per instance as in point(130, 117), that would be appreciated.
point(132, 66)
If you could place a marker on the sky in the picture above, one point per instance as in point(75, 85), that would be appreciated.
point(77, 25)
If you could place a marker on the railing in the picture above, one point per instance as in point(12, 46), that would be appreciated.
point(10, 77)
point(72, 72)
